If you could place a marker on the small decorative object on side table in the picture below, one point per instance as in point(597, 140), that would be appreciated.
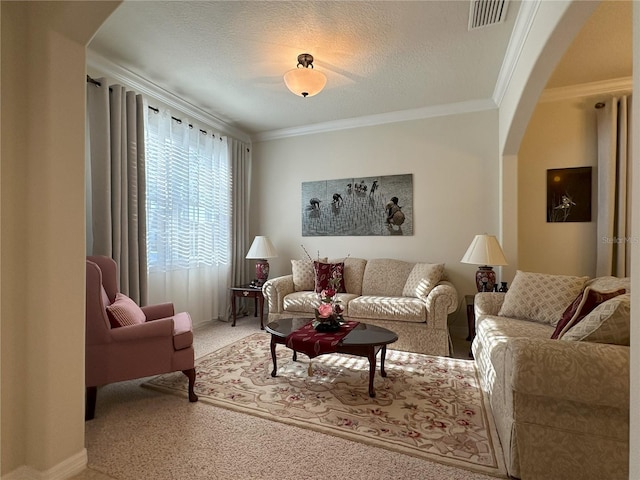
point(248, 291)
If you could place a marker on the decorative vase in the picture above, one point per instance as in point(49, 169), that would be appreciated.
point(485, 279)
point(327, 324)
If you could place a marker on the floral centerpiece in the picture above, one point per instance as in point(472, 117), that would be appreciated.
point(328, 314)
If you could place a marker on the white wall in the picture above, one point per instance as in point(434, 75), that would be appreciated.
point(42, 230)
point(454, 162)
point(561, 134)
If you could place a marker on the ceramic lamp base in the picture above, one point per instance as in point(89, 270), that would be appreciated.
point(262, 271)
point(485, 279)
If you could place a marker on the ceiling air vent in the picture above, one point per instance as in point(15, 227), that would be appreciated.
point(487, 12)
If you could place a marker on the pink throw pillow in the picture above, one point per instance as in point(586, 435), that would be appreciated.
point(124, 311)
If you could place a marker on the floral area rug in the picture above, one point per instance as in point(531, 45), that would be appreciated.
point(428, 407)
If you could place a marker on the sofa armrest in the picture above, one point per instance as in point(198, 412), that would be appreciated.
point(487, 303)
point(274, 291)
point(584, 372)
point(441, 301)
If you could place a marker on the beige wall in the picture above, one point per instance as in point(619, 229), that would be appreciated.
point(42, 234)
point(634, 426)
point(560, 134)
point(454, 162)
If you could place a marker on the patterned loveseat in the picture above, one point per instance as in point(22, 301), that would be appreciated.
point(411, 299)
point(561, 405)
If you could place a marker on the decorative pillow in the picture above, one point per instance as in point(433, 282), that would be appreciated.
point(584, 303)
point(124, 311)
point(609, 322)
point(540, 297)
point(422, 279)
point(324, 272)
point(609, 283)
point(304, 276)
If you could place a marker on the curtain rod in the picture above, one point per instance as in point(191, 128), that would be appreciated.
point(154, 109)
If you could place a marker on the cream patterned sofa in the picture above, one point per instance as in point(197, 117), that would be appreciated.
point(411, 299)
point(561, 406)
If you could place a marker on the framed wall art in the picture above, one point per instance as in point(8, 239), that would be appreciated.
point(569, 194)
point(381, 205)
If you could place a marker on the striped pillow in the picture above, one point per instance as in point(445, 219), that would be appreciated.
point(124, 311)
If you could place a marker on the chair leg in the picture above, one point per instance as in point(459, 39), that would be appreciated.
point(90, 403)
point(191, 375)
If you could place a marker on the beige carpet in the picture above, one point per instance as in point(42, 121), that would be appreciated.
point(427, 407)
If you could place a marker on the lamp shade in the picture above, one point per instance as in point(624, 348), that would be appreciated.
point(262, 248)
point(484, 250)
point(305, 82)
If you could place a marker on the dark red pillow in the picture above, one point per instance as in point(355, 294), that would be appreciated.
point(584, 303)
point(324, 272)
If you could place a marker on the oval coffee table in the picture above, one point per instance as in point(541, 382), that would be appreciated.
point(363, 341)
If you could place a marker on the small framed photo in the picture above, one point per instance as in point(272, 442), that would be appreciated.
point(569, 194)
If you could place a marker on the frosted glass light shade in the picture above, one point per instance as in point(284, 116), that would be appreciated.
point(262, 248)
point(484, 250)
point(305, 82)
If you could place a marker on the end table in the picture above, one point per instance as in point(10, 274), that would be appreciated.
point(248, 291)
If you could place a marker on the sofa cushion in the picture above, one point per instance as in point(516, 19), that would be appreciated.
point(325, 272)
point(422, 279)
point(385, 277)
point(540, 297)
point(404, 309)
point(580, 308)
point(353, 273)
point(609, 322)
point(304, 276)
point(124, 311)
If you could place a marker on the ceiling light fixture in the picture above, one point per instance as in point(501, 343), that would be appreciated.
point(305, 81)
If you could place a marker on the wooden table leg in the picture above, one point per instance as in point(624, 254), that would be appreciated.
point(260, 300)
point(233, 308)
point(273, 357)
point(383, 355)
point(372, 370)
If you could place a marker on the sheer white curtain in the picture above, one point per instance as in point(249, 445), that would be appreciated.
point(614, 187)
point(189, 202)
point(116, 183)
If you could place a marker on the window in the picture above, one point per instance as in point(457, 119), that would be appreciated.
point(188, 175)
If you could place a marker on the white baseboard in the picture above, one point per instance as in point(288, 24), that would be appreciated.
point(65, 469)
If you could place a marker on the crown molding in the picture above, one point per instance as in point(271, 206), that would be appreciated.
point(142, 85)
point(521, 29)
point(379, 119)
point(605, 87)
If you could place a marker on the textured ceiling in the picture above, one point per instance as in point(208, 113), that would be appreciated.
point(602, 50)
point(228, 57)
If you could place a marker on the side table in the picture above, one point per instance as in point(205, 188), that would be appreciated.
point(248, 291)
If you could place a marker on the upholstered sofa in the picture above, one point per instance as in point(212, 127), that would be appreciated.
point(411, 299)
point(561, 405)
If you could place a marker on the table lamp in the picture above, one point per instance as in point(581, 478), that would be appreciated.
point(260, 250)
point(485, 251)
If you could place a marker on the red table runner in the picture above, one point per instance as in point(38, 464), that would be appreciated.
point(306, 340)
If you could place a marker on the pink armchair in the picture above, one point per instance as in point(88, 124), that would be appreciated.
point(161, 343)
